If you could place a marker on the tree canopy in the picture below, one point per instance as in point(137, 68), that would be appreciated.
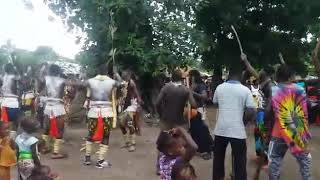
point(149, 35)
point(23, 58)
point(265, 27)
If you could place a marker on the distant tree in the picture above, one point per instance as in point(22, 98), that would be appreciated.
point(23, 58)
point(265, 28)
point(45, 53)
point(149, 35)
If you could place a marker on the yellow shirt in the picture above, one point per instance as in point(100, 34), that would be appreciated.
point(8, 156)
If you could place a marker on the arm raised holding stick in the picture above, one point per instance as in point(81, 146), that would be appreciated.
point(244, 56)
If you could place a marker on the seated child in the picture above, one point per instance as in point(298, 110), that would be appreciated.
point(7, 152)
point(176, 146)
point(28, 155)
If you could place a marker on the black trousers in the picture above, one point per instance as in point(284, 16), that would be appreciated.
point(200, 134)
point(239, 157)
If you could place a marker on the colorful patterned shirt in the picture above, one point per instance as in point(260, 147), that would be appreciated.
point(166, 165)
point(290, 115)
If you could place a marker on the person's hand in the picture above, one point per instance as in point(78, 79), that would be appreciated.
point(176, 131)
point(243, 57)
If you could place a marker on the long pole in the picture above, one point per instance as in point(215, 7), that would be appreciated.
point(281, 58)
point(113, 51)
point(189, 105)
point(238, 39)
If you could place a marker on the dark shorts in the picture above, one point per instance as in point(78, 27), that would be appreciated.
point(60, 126)
point(13, 114)
point(260, 133)
point(126, 121)
point(92, 127)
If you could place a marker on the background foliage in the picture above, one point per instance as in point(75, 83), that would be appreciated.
point(23, 58)
point(150, 35)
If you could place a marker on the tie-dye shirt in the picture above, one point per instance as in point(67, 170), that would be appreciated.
point(290, 115)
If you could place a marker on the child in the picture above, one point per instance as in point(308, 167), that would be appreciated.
point(176, 147)
point(7, 152)
point(28, 157)
point(43, 173)
point(183, 171)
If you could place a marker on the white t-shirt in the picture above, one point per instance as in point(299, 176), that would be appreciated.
point(232, 99)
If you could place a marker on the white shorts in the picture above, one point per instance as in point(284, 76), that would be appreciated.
point(54, 110)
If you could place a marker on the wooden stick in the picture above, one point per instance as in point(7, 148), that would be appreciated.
point(189, 105)
point(281, 58)
point(114, 109)
point(113, 50)
point(236, 34)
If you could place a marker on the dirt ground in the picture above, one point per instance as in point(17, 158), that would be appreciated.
point(140, 165)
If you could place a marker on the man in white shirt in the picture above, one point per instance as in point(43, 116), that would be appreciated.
point(233, 101)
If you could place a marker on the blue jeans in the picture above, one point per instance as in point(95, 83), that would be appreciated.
point(277, 150)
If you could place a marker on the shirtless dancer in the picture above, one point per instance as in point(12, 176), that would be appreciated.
point(171, 103)
point(100, 115)
point(133, 100)
point(10, 109)
point(54, 110)
point(130, 116)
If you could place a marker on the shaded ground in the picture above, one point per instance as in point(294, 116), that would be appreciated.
point(140, 165)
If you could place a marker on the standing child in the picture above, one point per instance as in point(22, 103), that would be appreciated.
point(7, 152)
point(176, 147)
point(28, 157)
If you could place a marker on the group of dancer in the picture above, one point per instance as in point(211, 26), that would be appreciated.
point(37, 99)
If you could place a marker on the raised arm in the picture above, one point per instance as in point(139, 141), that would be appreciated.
point(314, 58)
point(117, 77)
point(252, 71)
